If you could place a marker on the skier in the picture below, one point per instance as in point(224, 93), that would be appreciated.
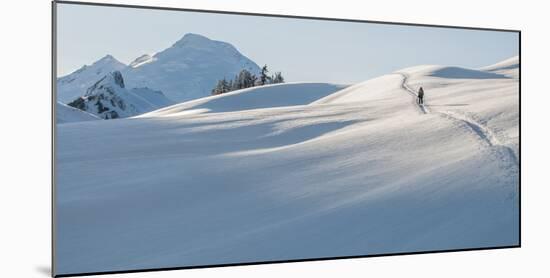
point(421, 96)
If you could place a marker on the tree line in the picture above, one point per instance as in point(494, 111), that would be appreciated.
point(246, 79)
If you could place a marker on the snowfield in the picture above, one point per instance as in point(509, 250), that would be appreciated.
point(295, 171)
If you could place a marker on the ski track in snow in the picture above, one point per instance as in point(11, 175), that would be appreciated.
point(409, 90)
point(481, 130)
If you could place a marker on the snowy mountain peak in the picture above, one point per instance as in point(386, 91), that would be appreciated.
point(191, 39)
point(107, 60)
point(189, 69)
point(75, 84)
point(107, 57)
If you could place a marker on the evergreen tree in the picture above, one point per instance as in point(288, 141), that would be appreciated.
point(253, 80)
point(278, 78)
point(241, 79)
point(230, 86)
point(246, 79)
point(225, 86)
point(221, 87)
point(264, 78)
point(216, 90)
point(235, 83)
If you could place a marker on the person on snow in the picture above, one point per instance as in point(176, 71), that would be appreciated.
point(421, 96)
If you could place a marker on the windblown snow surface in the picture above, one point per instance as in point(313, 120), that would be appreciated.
point(231, 179)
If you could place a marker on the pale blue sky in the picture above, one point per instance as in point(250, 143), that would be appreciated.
point(304, 50)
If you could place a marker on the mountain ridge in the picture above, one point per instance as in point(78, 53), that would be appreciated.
point(108, 98)
point(186, 70)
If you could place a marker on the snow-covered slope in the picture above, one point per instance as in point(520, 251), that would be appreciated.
point(108, 98)
point(490, 105)
point(487, 99)
point(74, 85)
point(155, 99)
point(364, 170)
point(268, 96)
point(67, 114)
point(508, 67)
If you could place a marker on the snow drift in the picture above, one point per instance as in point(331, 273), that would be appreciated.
point(363, 170)
point(508, 67)
point(268, 96)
